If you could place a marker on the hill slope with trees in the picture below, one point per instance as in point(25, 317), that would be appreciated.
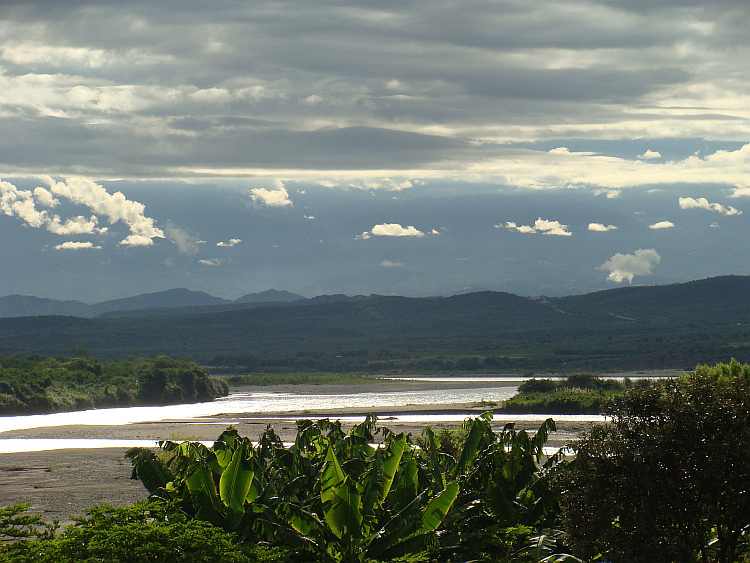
point(628, 328)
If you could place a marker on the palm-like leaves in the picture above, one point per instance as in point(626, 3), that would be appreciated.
point(337, 494)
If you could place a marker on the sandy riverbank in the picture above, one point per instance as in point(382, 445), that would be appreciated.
point(61, 484)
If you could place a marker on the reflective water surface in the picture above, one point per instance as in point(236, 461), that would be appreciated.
point(257, 403)
point(267, 405)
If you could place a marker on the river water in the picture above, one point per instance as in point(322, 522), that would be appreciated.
point(273, 405)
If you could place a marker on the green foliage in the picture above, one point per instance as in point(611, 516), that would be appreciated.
point(721, 374)
point(36, 384)
point(465, 493)
point(332, 495)
point(537, 386)
point(579, 393)
point(145, 532)
point(331, 492)
point(666, 480)
point(504, 484)
point(14, 524)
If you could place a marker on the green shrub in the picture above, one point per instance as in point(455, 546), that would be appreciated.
point(537, 386)
point(145, 532)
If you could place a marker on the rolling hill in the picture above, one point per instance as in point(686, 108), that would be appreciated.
point(658, 326)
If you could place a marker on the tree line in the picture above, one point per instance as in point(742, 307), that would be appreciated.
point(39, 384)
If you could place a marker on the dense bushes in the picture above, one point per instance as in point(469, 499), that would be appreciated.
point(579, 393)
point(37, 384)
point(145, 532)
point(340, 499)
point(666, 479)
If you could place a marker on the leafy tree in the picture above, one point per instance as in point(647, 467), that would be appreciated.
point(15, 524)
point(145, 532)
point(505, 489)
point(667, 478)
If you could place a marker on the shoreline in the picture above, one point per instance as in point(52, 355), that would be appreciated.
point(61, 484)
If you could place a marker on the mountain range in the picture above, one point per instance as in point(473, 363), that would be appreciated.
point(654, 326)
point(162, 302)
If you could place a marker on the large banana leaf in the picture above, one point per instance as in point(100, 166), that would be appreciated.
point(438, 507)
point(332, 475)
point(235, 483)
point(473, 443)
point(344, 516)
point(151, 471)
point(407, 486)
point(202, 489)
point(378, 480)
point(435, 471)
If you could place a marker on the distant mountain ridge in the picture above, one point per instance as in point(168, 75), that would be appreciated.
point(642, 302)
point(643, 326)
point(30, 306)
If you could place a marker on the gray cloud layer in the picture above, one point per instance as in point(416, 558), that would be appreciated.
point(134, 89)
point(236, 146)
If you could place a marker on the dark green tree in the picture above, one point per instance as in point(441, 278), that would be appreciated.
point(667, 478)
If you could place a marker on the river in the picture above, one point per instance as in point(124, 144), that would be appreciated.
point(273, 405)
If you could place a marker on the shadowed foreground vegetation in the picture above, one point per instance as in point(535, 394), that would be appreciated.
point(664, 481)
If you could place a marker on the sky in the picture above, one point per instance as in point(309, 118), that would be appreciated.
point(411, 148)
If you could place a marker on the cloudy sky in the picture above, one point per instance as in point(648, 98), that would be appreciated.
point(414, 148)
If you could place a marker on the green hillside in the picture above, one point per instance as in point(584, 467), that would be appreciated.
point(662, 326)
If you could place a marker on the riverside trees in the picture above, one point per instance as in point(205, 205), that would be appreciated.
point(38, 384)
point(667, 478)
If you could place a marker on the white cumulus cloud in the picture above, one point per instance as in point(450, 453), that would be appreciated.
point(601, 228)
point(626, 266)
point(649, 154)
point(210, 262)
point(22, 204)
point(662, 225)
point(232, 242)
point(136, 240)
point(540, 226)
point(70, 245)
point(702, 203)
point(392, 230)
point(45, 198)
point(389, 264)
point(116, 207)
point(277, 197)
point(611, 194)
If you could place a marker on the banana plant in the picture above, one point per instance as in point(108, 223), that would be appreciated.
point(213, 484)
point(503, 484)
point(353, 518)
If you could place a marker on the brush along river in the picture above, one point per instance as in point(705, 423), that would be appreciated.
point(64, 463)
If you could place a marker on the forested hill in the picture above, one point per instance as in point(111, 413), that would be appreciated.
point(709, 299)
point(660, 326)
